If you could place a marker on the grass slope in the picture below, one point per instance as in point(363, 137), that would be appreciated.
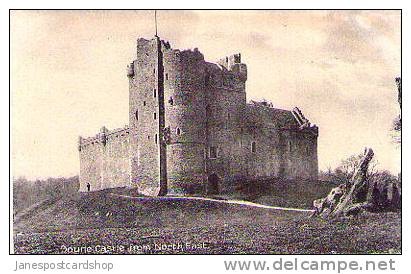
point(100, 219)
point(279, 192)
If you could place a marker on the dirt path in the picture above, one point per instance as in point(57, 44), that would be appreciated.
point(237, 202)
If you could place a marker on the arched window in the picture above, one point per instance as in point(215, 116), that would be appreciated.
point(178, 131)
point(253, 147)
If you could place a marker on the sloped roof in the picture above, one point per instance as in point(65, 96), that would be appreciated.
point(260, 115)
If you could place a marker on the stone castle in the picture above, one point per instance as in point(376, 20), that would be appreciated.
point(191, 130)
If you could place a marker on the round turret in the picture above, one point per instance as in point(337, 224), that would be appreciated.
point(130, 70)
point(185, 112)
point(103, 135)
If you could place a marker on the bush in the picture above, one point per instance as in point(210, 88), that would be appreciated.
point(27, 193)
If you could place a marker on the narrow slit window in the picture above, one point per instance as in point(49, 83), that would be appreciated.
point(156, 138)
point(137, 114)
point(154, 93)
point(166, 76)
point(178, 131)
point(144, 103)
point(155, 116)
point(253, 147)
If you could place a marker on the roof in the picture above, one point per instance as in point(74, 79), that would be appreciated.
point(260, 114)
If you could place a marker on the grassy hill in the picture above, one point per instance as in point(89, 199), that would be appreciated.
point(101, 219)
point(279, 192)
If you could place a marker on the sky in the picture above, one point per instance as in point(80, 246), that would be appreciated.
point(68, 75)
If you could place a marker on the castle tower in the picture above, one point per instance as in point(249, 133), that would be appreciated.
point(185, 112)
point(167, 97)
point(191, 131)
point(146, 118)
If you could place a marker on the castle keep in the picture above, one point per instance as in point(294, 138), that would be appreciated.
point(191, 130)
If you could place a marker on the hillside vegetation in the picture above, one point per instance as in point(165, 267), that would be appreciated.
point(102, 219)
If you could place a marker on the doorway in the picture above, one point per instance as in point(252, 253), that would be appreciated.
point(213, 181)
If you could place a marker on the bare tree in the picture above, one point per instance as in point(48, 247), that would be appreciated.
point(345, 171)
point(366, 190)
point(397, 123)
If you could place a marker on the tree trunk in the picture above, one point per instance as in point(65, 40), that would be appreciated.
point(350, 198)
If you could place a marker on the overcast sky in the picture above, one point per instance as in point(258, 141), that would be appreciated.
point(68, 75)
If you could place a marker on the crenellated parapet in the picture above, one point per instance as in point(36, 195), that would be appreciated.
point(192, 130)
point(103, 137)
point(130, 70)
point(230, 80)
point(233, 64)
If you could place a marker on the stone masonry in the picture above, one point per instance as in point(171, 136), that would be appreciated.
point(191, 130)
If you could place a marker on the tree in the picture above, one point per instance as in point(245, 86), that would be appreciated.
point(397, 123)
point(345, 171)
point(365, 190)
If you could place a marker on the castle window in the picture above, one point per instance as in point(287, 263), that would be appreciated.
point(207, 80)
point(155, 115)
point(253, 147)
point(208, 111)
point(178, 131)
point(144, 103)
point(166, 76)
point(137, 114)
point(155, 93)
point(212, 152)
point(156, 138)
point(171, 101)
point(154, 71)
point(227, 121)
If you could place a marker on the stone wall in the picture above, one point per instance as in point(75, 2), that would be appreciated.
point(212, 130)
point(185, 116)
point(104, 160)
point(144, 117)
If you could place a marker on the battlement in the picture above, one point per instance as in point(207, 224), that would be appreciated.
point(233, 64)
point(229, 61)
point(103, 137)
point(188, 118)
point(262, 103)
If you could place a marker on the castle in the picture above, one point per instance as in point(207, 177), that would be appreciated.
point(191, 130)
